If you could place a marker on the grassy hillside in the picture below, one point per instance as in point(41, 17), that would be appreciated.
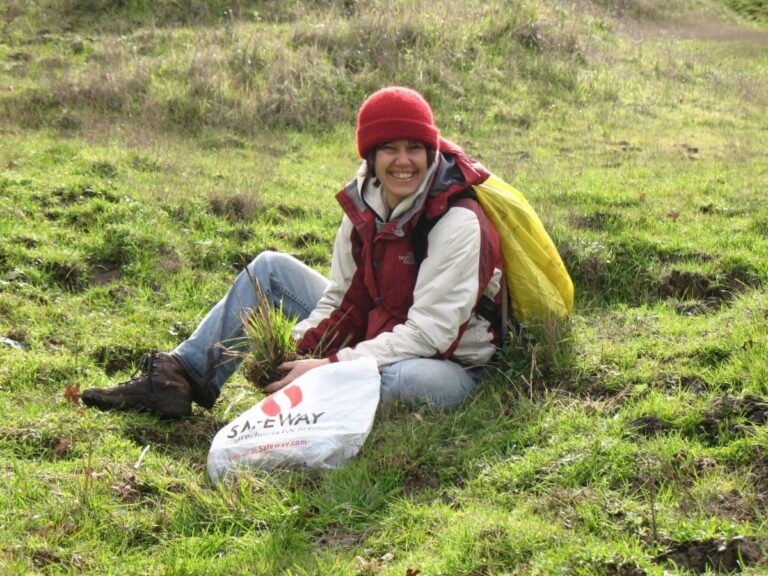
point(150, 149)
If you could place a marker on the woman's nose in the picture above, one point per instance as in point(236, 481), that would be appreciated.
point(402, 157)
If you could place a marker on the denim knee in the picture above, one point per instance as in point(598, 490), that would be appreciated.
point(438, 384)
point(260, 268)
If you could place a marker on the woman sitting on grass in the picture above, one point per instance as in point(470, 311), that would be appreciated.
point(412, 259)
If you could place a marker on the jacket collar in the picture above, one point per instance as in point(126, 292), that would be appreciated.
point(451, 172)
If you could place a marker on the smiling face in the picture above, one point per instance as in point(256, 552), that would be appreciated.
point(401, 166)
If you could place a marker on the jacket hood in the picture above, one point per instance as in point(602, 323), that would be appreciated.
point(455, 173)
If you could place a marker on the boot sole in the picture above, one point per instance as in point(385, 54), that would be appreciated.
point(107, 403)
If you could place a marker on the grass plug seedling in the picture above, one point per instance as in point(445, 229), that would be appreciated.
point(266, 343)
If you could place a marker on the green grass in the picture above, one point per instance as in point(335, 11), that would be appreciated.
point(140, 172)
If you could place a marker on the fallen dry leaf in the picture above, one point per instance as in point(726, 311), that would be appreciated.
point(127, 486)
point(72, 394)
point(368, 565)
point(61, 445)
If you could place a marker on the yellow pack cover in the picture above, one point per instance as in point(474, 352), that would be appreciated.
point(538, 283)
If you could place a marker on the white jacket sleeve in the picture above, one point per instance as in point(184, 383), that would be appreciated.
point(342, 270)
point(445, 294)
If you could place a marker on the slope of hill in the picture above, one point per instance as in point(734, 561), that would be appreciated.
point(150, 149)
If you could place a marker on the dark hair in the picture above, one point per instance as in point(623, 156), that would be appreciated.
point(370, 161)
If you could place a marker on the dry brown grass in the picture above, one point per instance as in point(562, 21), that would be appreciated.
point(310, 73)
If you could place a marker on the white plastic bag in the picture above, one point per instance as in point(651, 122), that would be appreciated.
point(319, 420)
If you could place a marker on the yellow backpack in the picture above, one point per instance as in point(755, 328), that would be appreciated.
point(538, 283)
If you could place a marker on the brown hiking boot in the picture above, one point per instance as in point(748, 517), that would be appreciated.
point(164, 389)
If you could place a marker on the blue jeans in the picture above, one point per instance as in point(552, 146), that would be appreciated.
point(441, 384)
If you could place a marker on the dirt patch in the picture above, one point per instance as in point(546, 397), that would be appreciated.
point(711, 208)
point(691, 152)
point(708, 293)
point(72, 194)
point(596, 221)
point(115, 359)
point(314, 259)
point(305, 239)
point(103, 169)
point(291, 212)
point(45, 558)
point(20, 335)
point(67, 275)
point(170, 262)
point(592, 273)
point(27, 241)
point(649, 426)
point(237, 208)
point(680, 284)
point(733, 415)
point(699, 307)
point(735, 282)
point(129, 488)
point(338, 539)
point(593, 386)
point(102, 277)
point(120, 292)
point(625, 146)
point(48, 560)
point(35, 444)
point(712, 355)
point(730, 504)
point(695, 384)
point(618, 156)
point(417, 477)
point(690, 383)
point(759, 476)
point(239, 258)
point(144, 163)
point(719, 555)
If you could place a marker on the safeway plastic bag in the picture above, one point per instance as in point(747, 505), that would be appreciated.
point(318, 421)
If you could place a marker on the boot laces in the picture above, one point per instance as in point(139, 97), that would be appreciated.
point(147, 367)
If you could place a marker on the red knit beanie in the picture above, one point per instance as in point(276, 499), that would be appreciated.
point(395, 113)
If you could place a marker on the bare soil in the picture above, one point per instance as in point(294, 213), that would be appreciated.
point(717, 555)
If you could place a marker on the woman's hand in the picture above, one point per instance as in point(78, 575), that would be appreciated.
point(295, 369)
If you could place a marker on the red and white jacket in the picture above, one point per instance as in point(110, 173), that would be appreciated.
point(380, 302)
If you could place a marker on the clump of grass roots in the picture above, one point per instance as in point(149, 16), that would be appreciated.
point(267, 341)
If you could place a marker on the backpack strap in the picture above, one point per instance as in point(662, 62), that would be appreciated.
point(424, 227)
point(486, 308)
